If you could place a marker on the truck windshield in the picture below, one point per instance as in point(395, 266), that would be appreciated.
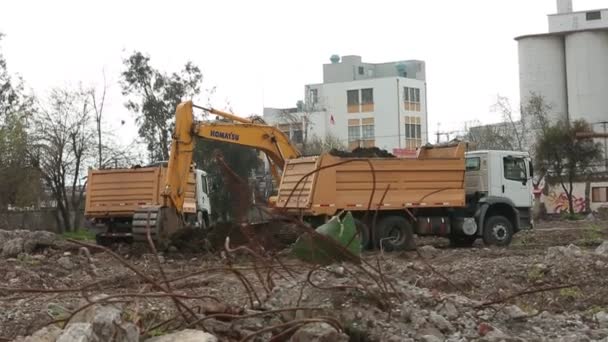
point(473, 163)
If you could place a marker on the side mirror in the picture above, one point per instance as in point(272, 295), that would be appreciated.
point(524, 182)
point(531, 167)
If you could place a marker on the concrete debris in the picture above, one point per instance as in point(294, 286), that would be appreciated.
point(47, 334)
point(602, 319)
point(66, 263)
point(603, 248)
point(515, 312)
point(318, 332)
point(558, 253)
point(15, 242)
point(77, 332)
point(441, 323)
point(428, 251)
point(12, 248)
point(188, 335)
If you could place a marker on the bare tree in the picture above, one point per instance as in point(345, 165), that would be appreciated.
point(63, 149)
point(317, 146)
point(98, 105)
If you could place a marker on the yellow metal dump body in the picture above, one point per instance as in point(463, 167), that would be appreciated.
point(119, 192)
point(434, 179)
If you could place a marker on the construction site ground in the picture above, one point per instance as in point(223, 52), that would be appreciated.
point(550, 284)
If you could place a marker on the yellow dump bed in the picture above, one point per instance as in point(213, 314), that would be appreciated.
point(119, 192)
point(434, 179)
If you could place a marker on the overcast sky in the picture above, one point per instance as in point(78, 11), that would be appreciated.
point(262, 53)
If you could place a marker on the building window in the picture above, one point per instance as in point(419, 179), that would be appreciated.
point(352, 101)
point(411, 97)
point(599, 194)
point(361, 71)
point(367, 100)
point(413, 132)
point(293, 131)
point(595, 15)
point(361, 133)
point(368, 135)
point(314, 96)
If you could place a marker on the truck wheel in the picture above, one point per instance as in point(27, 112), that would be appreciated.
point(363, 231)
point(462, 240)
point(396, 234)
point(498, 231)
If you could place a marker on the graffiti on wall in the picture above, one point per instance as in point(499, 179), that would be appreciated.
point(557, 202)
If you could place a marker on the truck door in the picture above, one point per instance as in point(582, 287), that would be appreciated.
point(515, 183)
point(202, 191)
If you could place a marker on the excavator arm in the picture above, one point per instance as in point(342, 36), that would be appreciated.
point(268, 139)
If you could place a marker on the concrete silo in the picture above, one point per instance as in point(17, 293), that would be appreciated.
point(542, 71)
point(587, 75)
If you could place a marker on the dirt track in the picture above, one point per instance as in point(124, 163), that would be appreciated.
point(465, 279)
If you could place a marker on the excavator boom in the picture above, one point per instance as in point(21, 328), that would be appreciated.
point(268, 139)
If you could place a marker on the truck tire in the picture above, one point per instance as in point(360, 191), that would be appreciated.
point(462, 241)
point(363, 231)
point(497, 231)
point(396, 234)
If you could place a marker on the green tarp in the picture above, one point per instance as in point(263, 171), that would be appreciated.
point(316, 249)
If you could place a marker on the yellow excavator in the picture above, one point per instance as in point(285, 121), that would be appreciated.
point(166, 220)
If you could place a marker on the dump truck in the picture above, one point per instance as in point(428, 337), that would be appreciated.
point(122, 203)
point(442, 192)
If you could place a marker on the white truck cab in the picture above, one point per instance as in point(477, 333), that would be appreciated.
point(499, 194)
point(203, 205)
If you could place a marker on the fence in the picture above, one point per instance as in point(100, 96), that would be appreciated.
point(41, 219)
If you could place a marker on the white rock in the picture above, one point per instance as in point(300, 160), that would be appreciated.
point(12, 247)
point(430, 338)
point(46, 334)
point(77, 332)
point(515, 312)
point(188, 335)
point(441, 323)
point(428, 251)
point(603, 248)
point(318, 332)
point(602, 319)
point(449, 310)
point(66, 263)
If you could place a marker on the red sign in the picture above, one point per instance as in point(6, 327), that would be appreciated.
point(404, 152)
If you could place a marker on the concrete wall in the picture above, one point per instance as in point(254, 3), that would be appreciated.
point(32, 220)
point(576, 21)
point(556, 202)
point(542, 70)
point(587, 75)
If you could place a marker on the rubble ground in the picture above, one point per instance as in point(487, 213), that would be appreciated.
point(549, 285)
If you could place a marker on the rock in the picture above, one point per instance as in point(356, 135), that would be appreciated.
point(603, 248)
point(573, 338)
point(449, 310)
point(441, 323)
point(602, 319)
point(173, 249)
point(557, 253)
point(188, 335)
point(47, 334)
point(161, 259)
point(428, 251)
point(430, 338)
point(12, 247)
point(66, 263)
point(77, 332)
point(515, 312)
point(38, 240)
point(496, 336)
point(107, 325)
point(590, 217)
point(318, 332)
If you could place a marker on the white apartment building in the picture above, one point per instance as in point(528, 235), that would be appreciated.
point(363, 105)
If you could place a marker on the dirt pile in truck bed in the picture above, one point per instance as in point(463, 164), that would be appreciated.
point(363, 152)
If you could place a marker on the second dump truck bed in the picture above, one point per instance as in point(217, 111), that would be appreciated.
point(434, 179)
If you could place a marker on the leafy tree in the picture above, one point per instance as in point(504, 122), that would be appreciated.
point(563, 156)
point(242, 160)
point(153, 96)
point(19, 181)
